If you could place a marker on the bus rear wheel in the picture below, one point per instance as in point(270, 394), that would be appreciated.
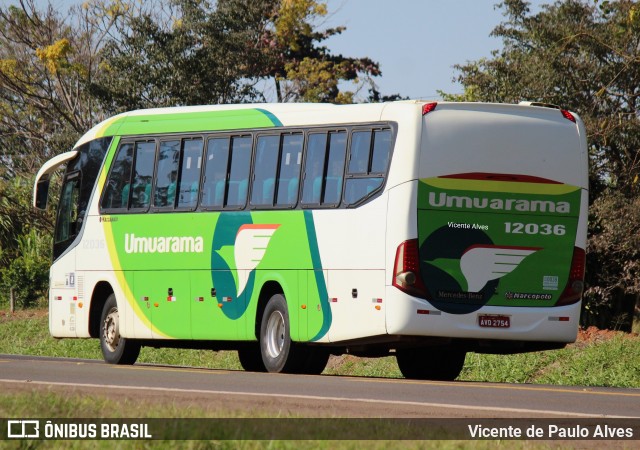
point(431, 363)
point(115, 348)
point(315, 361)
point(251, 358)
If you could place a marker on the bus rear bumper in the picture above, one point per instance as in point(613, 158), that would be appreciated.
point(411, 316)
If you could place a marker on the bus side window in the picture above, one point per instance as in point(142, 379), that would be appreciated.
point(289, 175)
point(190, 173)
point(368, 162)
point(215, 172)
point(360, 145)
point(324, 169)
point(239, 172)
point(167, 174)
point(381, 151)
point(116, 193)
point(265, 167)
point(143, 174)
point(314, 169)
point(335, 168)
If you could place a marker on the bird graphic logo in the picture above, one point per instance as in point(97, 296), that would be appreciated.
point(239, 245)
point(480, 264)
point(251, 244)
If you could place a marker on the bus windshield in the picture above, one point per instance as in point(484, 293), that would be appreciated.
point(78, 185)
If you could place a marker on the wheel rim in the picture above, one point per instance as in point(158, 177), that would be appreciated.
point(111, 330)
point(275, 334)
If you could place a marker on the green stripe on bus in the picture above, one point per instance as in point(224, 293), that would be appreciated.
point(191, 122)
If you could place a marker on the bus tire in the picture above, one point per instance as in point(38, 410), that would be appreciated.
point(431, 363)
point(251, 358)
point(279, 353)
point(316, 361)
point(115, 348)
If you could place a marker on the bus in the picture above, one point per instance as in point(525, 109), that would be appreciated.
point(290, 232)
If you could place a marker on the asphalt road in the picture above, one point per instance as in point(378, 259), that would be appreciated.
point(313, 396)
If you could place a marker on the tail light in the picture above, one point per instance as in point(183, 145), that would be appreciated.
point(575, 284)
point(406, 269)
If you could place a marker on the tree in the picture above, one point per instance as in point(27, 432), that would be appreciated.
point(46, 65)
point(47, 61)
point(304, 71)
point(191, 52)
point(183, 52)
point(584, 56)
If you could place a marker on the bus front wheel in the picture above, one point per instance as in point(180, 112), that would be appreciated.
point(279, 353)
point(431, 363)
point(115, 348)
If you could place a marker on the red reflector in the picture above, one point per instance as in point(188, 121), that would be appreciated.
point(423, 311)
point(567, 115)
point(334, 300)
point(428, 107)
point(563, 319)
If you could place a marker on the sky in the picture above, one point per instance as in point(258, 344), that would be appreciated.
point(416, 42)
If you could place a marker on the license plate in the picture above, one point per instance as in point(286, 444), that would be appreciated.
point(494, 321)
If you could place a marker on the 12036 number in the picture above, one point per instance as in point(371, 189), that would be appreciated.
point(534, 228)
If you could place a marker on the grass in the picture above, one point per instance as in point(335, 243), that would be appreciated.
point(54, 405)
point(609, 359)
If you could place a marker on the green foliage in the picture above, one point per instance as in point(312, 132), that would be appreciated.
point(17, 217)
point(184, 53)
point(611, 362)
point(614, 248)
point(28, 273)
point(44, 67)
point(25, 245)
point(191, 52)
point(303, 69)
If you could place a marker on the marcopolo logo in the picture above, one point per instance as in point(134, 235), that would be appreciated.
point(163, 244)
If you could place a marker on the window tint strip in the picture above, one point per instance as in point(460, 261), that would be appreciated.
point(319, 167)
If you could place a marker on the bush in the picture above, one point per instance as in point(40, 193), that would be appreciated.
point(28, 273)
point(613, 262)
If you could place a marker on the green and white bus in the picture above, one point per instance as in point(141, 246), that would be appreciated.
point(290, 232)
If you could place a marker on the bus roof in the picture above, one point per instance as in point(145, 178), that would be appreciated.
point(267, 115)
point(230, 117)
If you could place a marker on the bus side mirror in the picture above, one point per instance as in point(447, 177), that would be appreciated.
point(42, 193)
